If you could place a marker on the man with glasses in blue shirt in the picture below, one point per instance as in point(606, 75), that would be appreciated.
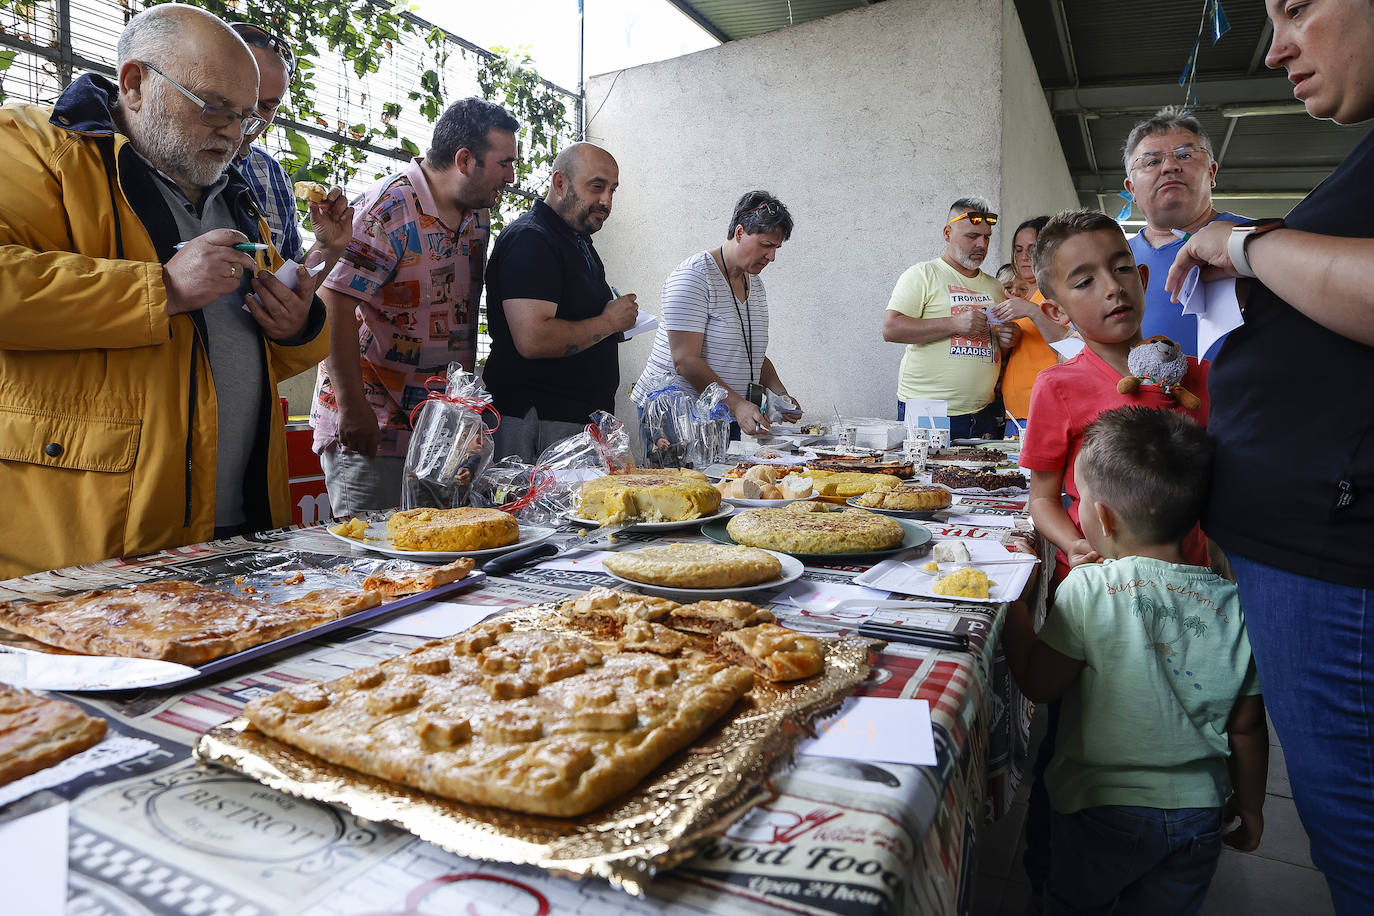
point(1170, 173)
point(142, 333)
point(332, 218)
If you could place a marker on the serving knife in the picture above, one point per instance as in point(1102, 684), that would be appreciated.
point(47, 671)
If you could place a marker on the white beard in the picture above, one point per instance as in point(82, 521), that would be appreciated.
point(157, 134)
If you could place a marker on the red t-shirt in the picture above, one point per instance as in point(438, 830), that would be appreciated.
point(1065, 401)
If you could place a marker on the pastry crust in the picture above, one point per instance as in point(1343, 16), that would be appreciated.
point(775, 652)
point(311, 191)
point(37, 732)
point(661, 495)
point(791, 530)
point(851, 483)
point(174, 621)
point(903, 469)
point(608, 611)
point(696, 565)
point(532, 721)
point(465, 528)
point(910, 498)
point(712, 617)
point(391, 582)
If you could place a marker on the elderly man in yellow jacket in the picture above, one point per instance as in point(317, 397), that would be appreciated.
point(141, 332)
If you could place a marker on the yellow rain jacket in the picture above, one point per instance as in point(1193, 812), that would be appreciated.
point(107, 407)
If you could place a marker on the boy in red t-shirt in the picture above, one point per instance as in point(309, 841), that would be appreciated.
point(1088, 275)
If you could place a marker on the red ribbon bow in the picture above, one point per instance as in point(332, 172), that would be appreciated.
point(476, 405)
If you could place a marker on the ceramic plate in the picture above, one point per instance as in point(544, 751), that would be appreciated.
point(725, 512)
point(791, 571)
point(379, 542)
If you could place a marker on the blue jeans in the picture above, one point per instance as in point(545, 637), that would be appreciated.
point(1314, 647)
point(1125, 859)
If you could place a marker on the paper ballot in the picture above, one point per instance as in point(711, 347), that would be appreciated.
point(1214, 303)
point(644, 321)
point(287, 273)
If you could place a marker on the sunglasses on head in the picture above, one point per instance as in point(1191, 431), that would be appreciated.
point(977, 217)
point(258, 37)
point(770, 208)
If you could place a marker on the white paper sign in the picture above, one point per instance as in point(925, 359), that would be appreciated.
point(1069, 347)
point(923, 412)
point(885, 729)
point(33, 861)
point(1214, 303)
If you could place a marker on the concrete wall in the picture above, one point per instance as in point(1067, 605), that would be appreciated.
point(866, 124)
point(1035, 178)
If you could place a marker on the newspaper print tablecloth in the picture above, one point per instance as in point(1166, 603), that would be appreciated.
point(161, 835)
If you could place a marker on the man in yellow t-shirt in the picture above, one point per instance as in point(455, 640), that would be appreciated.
point(1032, 353)
point(940, 310)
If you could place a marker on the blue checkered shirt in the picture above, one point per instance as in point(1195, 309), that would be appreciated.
point(274, 190)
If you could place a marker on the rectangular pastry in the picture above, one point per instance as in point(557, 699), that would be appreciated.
point(775, 652)
point(392, 582)
point(532, 721)
point(174, 621)
point(37, 732)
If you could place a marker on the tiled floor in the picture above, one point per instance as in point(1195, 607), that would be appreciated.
point(1276, 878)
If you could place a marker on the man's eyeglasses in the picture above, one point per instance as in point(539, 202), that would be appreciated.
point(1148, 162)
point(214, 115)
point(977, 217)
point(259, 37)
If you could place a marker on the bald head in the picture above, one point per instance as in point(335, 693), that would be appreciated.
point(585, 179)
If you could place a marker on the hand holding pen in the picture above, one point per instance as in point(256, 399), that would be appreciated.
point(207, 267)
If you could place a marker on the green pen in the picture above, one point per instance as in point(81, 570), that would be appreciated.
point(237, 246)
point(1181, 235)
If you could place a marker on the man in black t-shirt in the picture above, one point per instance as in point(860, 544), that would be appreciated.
point(553, 319)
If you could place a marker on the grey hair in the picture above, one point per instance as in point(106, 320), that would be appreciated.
point(970, 203)
point(153, 33)
point(759, 211)
point(1170, 117)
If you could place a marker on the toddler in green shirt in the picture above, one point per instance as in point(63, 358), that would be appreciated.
point(1162, 733)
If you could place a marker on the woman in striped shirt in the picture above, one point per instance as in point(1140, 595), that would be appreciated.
point(715, 314)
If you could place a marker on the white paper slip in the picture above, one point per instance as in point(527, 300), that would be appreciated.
point(993, 320)
point(983, 521)
point(436, 619)
point(885, 729)
point(33, 861)
point(577, 560)
point(1214, 303)
point(644, 321)
point(1069, 347)
point(287, 273)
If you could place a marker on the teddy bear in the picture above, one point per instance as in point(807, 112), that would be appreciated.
point(1158, 361)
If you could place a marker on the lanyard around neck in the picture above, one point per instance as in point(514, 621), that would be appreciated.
point(746, 332)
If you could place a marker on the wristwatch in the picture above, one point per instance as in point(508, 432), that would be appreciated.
point(1240, 237)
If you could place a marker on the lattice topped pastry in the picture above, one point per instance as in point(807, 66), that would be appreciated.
point(712, 617)
point(775, 652)
point(530, 720)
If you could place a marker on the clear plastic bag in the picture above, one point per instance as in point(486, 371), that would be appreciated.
point(666, 426)
point(710, 437)
point(450, 446)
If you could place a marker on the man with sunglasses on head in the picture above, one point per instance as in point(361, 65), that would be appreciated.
point(332, 218)
point(403, 300)
point(1170, 174)
point(939, 309)
point(142, 333)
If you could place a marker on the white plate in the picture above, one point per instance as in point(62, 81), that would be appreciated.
point(765, 503)
point(660, 526)
point(379, 542)
point(791, 571)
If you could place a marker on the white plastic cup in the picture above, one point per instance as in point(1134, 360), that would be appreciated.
point(847, 436)
point(916, 450)
point(939, 438)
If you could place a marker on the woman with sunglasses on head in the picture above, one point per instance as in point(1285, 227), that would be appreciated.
point(1303, 562)
point(715, 315)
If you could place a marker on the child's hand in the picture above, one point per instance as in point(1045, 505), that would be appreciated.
point(1080, 552)
point(1246, 837)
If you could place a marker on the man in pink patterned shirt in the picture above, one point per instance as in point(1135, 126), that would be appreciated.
point(402, 301)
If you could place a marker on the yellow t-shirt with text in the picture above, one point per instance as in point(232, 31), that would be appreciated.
point(960, 370)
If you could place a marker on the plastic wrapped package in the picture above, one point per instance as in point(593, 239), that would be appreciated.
point(710, 433)
point(666, 426)
point(528, 492)
point(450, 445)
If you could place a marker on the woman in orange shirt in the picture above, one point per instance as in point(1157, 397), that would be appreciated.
point(1033, 352)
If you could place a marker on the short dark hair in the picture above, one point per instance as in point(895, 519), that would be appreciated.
point(464, 125)
point(1152, 466)
point(1061, 227)
point(1170, 117)
point(759, 211)
point(1035, 222)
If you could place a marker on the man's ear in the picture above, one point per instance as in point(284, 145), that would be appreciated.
point(1130, 187)
point(1144, 275)
point(946, 233)
point(1054, 313)
point(464, 161)
point(558, 184)
point(131, 85)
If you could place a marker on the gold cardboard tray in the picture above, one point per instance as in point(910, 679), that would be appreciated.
point(695, 794)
